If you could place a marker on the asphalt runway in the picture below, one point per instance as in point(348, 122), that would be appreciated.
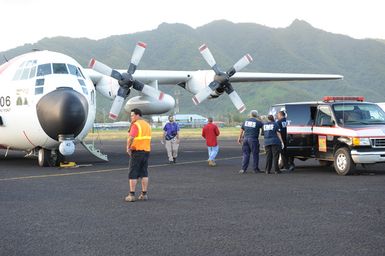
point(193, 209)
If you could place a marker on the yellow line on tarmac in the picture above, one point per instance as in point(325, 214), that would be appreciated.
point(106, 170)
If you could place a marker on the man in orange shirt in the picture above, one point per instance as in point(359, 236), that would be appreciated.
point(210, 132)
point(138, 148)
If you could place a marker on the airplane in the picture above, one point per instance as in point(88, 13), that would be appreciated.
point(48, 101)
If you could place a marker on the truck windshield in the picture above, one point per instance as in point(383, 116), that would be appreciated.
point(358, 113)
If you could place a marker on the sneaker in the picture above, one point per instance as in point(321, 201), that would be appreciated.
point(267, 172)
point(277, 172)
point(130, 198)
point(143, 197)
point(210, 163)
point(174, 160)
point(257, 171)
point(291, 168)
point(213, 163)
point(242, 171)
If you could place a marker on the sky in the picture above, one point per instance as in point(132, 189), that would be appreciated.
point(28, 21)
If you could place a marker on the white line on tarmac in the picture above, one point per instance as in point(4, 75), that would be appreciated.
point(106, 170)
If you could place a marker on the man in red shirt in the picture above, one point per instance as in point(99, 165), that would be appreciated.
point(210, 132)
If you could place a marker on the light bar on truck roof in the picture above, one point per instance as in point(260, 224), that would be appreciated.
point(343, 98)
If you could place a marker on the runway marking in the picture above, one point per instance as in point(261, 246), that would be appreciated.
point(106, 170)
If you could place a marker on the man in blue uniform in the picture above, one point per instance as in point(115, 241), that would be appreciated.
point(273, 145)
point(282, 128)
point(249, 140)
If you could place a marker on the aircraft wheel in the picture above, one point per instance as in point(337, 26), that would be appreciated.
point(44, 157)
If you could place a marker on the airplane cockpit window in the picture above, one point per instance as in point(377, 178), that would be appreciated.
point(74, 70)
point(81, 73)
point(26, 70)
point(44, 69)
point(33, 72)
point(59, 68)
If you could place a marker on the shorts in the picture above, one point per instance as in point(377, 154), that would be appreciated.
point(138, 165)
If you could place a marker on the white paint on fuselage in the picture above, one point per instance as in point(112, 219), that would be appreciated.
point(21, 128)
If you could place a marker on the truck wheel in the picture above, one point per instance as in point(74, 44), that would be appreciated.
point(343, 163)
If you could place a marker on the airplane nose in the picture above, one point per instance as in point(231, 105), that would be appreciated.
point(62, 112)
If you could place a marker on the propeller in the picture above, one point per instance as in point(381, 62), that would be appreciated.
point(221, 80)
point(126, 80)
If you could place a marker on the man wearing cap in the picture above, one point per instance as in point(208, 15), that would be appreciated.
point(248, 138)
point(171, 139)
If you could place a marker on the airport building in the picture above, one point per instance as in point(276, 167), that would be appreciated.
point(184, 120)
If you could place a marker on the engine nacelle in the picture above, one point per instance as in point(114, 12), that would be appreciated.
point(201, 79)
point(107, 86)
point(150, 106)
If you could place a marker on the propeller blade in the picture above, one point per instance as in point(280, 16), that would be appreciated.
point(202, 95)
point(209, 58)
point(205, 92)
point(237, 101)
point(104, 69)
point(136, 56)
point(148, 90)
point(243, 62)
point(116, 107)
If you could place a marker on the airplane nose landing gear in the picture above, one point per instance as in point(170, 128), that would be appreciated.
point(62, 114)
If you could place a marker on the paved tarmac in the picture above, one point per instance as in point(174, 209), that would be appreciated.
point(193, 209)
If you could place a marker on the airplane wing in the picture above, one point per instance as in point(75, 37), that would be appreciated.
point(170, 77)
point(203, 83)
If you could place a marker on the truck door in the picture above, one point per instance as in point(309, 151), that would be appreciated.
point(300, 137)
point(323, 131)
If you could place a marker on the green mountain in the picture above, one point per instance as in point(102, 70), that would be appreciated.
point(299, 48)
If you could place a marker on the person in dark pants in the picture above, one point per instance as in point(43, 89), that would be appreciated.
point(282, 128)
point(273, 145)
point(249, 140)
point(138, 148)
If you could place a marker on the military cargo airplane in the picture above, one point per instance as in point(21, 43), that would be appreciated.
point(48, 102)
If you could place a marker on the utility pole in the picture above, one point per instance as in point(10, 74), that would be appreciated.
point(177, 98)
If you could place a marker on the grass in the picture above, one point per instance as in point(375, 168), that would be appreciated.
point(157, 133)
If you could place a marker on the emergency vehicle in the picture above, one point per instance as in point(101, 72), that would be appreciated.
point(342, 131)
